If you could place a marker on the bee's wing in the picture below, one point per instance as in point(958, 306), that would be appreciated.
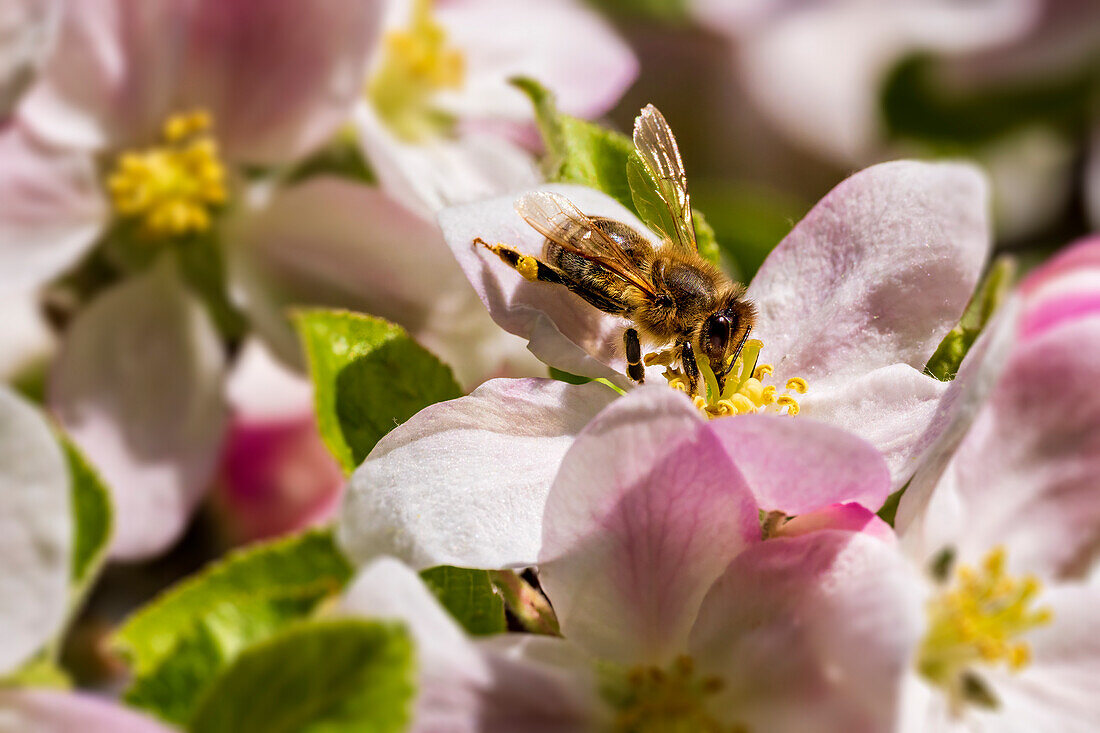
point(549, 213)
point(655, 143)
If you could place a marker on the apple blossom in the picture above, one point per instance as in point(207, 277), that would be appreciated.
point(1001, 524)
point(676, 612)
point(127, 136)
point(57, 711)
point(438, 84)
point(851, 304)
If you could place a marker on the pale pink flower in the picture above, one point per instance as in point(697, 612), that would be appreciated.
point(671, 603)
point(1010, 492)
point(59, 711)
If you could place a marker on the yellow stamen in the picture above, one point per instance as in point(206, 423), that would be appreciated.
point(417, 63)
point(744, 392)
point(662, 699)
point(979, 621)
point(171, 189)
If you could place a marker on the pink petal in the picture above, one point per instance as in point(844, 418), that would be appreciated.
point(112, 74)
point(848, 517)
point(51, 209)
point(276, 475)
point(36, 532)
point(339, 243)
point(465, 482)
point(1065, 288)
point(564, 44)
point(799, 466)
point(138, 386)
point(55, 711)
point(1025, 474)
point(563, 330)
point(646, 511)
point(876, 274)
point(810, 633)
point(278, 76)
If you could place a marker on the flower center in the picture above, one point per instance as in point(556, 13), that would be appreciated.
point(416, 63)
point(978, 622)
point(170, 189)
point(656, 700)
point(744, 391)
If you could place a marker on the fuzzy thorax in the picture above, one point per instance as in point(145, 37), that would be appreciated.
point(745, 391)
point(171, 189)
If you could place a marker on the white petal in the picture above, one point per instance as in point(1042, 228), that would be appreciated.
point(36, 532)
point(138, 385)
point(430, 175)
point(51, 209)
point(25, 337)
point(465, 482)
point(26, 31)
point(563, 44)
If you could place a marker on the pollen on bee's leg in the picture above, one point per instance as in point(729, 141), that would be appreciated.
point(528, 267)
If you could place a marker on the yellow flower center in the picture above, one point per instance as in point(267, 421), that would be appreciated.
point(745, 391)
point(979, 621)
point(416, 63)
point(656, 700)
point(171, 189)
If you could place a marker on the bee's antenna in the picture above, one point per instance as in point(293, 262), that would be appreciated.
point(736, 352)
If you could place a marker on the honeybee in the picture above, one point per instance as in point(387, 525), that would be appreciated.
point(671, 295)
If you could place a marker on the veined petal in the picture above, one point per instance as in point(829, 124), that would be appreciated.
point(876, 274)
point(849, 517)
point(563, 330)
point(111, 76)
point(56, 711)
point(1025, 475)
point(51, 209)
point(810, 633)
point(278, 76)
point(645, 513)
point(465, 482)
point(36, 531)
point(800, 466)
point(138, 386)
point(443, 171)
point(1065, 288)
point(528, 39)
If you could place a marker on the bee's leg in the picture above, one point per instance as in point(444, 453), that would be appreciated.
point(691, 368)
point(634, 368)
point(531, 268)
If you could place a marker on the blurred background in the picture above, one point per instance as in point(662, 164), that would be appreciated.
point(773, 103)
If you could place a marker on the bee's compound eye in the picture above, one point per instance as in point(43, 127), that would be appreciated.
point(716, 337)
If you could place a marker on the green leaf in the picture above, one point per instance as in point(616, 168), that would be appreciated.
point(993, 291)
point(177, 642)
point(369, 376)
point(341, 157)
point(330, 676)
point(93, 520)
point(919, 103)
point(562, 376)
point(469, 596)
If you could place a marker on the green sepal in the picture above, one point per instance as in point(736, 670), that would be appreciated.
point(469, 596)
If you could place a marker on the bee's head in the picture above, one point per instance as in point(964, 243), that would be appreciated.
point(724, 333)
